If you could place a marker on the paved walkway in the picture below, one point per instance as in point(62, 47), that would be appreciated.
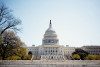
point(50, 63)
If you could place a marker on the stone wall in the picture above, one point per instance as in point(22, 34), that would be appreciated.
point(49, 63)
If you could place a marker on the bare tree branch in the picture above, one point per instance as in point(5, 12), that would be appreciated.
point(7, 20)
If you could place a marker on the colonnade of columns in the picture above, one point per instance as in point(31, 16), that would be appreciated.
point(52, 57)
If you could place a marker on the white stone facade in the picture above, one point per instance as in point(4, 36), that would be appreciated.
point(92, 49)
point(50, 48)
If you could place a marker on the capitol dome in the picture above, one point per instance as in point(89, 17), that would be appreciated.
point(50, 31)
point(50, 36)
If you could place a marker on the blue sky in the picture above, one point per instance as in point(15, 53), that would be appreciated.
point(76, 22)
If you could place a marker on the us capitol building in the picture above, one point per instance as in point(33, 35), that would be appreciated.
point(50, 48)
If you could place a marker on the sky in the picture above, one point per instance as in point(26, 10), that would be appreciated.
point(76, 22)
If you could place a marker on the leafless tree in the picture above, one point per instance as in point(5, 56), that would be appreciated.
point(7, 20)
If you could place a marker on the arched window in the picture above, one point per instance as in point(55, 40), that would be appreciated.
point(52, 57)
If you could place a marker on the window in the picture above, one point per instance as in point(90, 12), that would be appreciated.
point(49, 41)
point(56, 50)
point(52, 41)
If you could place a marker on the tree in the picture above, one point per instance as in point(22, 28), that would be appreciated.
point(13, 57)
point(8, 40)
point(12, 46)
point(81, 53)
point(7, 20)
point(1, 39)
point(98, 57)
point(93, 57)
point(76, 56)
point(29, 55)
